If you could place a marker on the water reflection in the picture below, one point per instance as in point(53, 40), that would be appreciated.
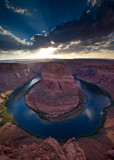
point(89, 113)
point(78, 83)
point(45, 122)
point(35, 80)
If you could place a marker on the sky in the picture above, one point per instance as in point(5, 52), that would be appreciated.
point(31, 29)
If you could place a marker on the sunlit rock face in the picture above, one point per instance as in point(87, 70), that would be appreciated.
point(56, 93)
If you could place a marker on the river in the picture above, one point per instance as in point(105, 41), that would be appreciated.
point(85, 123)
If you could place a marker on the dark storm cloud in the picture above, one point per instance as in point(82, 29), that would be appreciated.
point(108, 46)
point(84, 48)
point(94, 26)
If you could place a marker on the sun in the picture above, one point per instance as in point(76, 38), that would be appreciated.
point(46, 52)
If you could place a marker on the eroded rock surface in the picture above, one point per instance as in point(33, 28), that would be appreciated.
point(14, 75)
point(56, 94)
point(50, 149)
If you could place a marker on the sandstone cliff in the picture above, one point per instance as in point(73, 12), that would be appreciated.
point(13, 75)
point(100, 72)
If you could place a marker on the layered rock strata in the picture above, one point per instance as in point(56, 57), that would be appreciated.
point(56, 94)
point(14, 75)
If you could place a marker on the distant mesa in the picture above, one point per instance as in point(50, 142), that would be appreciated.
point(56, 96)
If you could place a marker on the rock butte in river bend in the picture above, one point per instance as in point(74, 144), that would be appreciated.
point(56, 93)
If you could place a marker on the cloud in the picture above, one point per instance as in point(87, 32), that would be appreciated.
point(93, 27)
point(9, 41)
point(92, 33)
point(15, 9)
point(86, 47)
point(95, 2)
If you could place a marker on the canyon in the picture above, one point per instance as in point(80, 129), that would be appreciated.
point(97, 71)
point(100, 72)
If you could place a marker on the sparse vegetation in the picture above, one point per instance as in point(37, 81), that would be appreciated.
point(41, 114)
point(62, 141)
point(5, 117)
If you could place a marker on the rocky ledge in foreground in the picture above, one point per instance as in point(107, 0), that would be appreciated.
point(50, 149)
point(56, 96)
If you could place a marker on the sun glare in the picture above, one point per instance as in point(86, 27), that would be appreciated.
point(46, 52)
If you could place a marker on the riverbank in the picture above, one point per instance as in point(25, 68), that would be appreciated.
point(4, 116)
point(83, 100)
point(10, 129)
point(96, 147)
point(69, 115)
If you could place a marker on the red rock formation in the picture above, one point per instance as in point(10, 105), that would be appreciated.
point(110, 153)
point(100, 72)
point(57, 79)
point(50, 149)
point(93, 70)
point(56, 94)
point(13, 75)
